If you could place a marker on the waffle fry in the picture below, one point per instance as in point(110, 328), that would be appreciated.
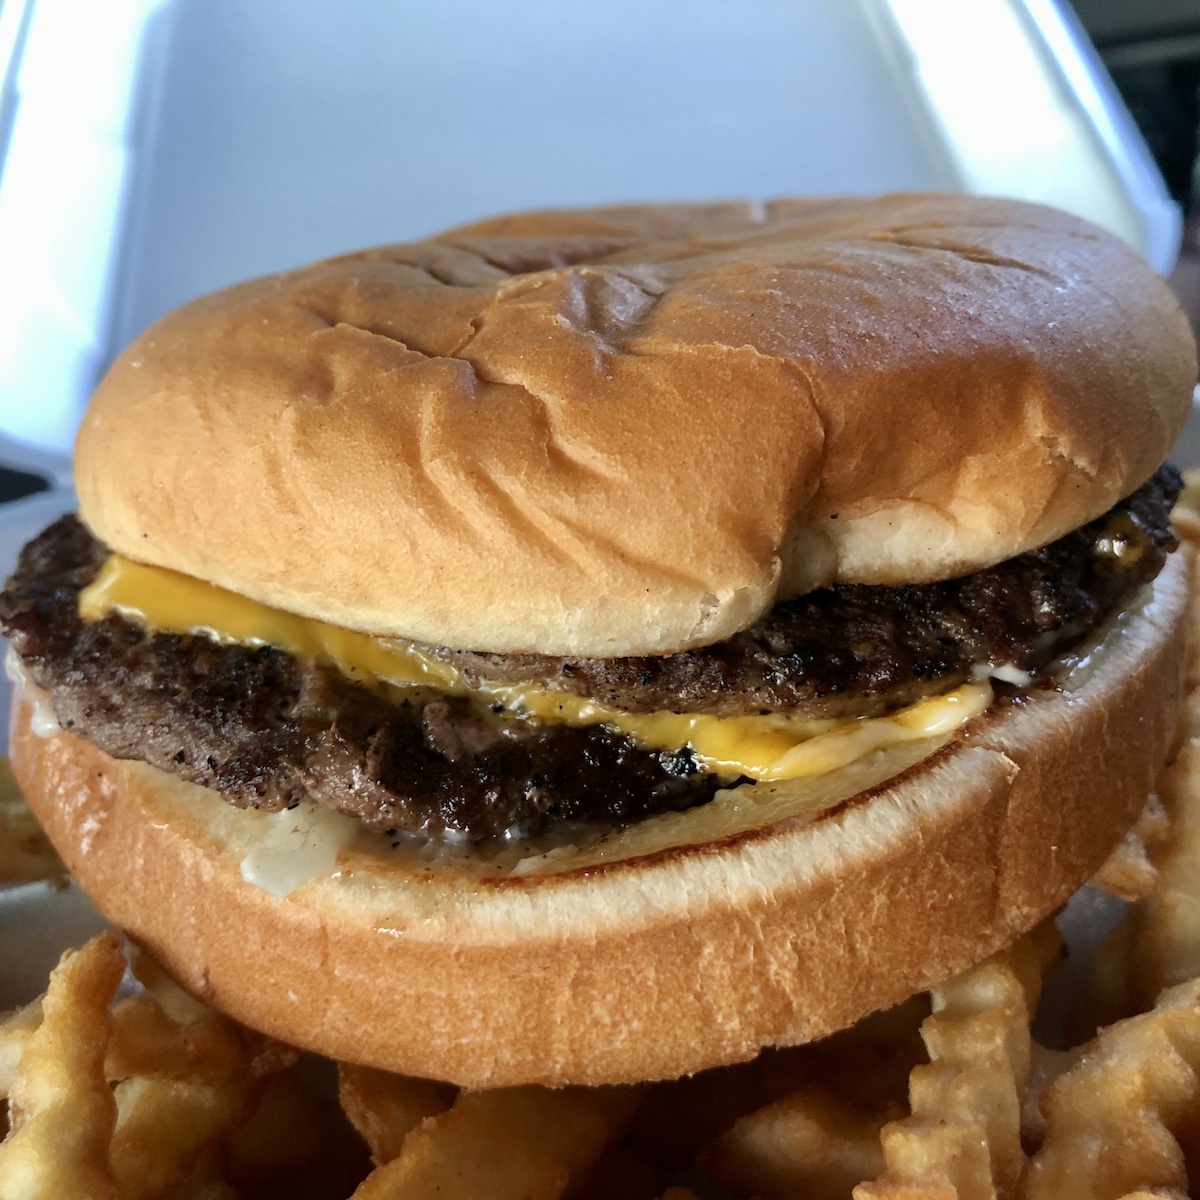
point(178, 1090)
point(809, 1144)
point(1045, 1066)
point(512, 1144)
point(1167, 947)
point(386, 1108)
point(963, 1137)
point(61, 1110)
point(1112, 1120)
point(146, 1042)
point(15, 1032)
point(164, 1124)
point(866, 1066)
point(126, 1103)
point(1129, 872)
point(1167, 923)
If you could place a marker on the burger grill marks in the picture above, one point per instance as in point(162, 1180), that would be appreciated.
point(269, 730)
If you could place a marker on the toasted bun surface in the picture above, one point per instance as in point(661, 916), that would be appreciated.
point(631, 430)
point(650, 967)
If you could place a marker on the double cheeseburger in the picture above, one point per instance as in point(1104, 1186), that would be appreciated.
point(588, 647)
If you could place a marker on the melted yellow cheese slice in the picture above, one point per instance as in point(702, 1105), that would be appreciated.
point(773, 747)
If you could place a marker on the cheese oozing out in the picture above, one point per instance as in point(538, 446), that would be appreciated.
point(765, 748)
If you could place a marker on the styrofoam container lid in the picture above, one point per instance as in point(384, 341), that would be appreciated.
point(152, 150)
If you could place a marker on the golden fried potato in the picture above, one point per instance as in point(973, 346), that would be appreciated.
point(61, 1109)
point(866, 1066)
point(179, 1088)
point(15, 1032)
point(1114, 1121)
point(1168, 921)
point(525, 1143)
point(963, 1139)
point(147, 1042)
point(386, 1108)
point(809, 1144)
point(1129, 872)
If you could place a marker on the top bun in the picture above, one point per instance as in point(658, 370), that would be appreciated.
point(632, 430)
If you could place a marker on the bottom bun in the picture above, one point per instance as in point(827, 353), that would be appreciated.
point(650, 967)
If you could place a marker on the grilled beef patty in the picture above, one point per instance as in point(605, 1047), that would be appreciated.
point(269, 730)
point(854, 650)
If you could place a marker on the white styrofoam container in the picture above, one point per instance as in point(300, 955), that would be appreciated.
point(151, 150)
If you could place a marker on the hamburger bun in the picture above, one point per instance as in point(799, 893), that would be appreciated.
point(633, 430)
point(665, 961)
point(621, 432)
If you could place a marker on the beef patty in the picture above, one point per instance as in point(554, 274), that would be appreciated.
point(854, 650)
point(269, 730)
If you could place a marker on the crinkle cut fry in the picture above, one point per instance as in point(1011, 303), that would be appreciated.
point(525, 1143)
point(1157, 1194)
point(963, 1139)
point(1112, 1120)
point(386, 1108)
point(1129, 872)
point(179, 1089)
point(811, 1143)
point(1158, 943)
point(1167, 945)
point(61, 1108)
point(15, 1031)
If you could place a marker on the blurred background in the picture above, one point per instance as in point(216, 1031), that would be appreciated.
point(151, 150)
point(1151, 49)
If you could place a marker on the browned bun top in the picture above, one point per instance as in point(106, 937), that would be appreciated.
point(632, 430)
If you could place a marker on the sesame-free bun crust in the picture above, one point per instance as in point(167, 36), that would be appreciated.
point(654, 966)
point(631, 430)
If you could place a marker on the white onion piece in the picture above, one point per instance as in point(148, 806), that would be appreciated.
point(297, 845)
point(43, 720)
